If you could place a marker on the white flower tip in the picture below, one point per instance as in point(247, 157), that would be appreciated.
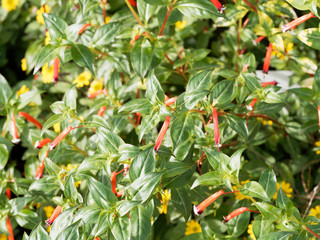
point(36, 145)
point(195, 210)
point(15, 140)
point(249, 108)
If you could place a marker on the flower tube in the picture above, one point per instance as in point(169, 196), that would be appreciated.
point(14, 130)
point(101, 111)
point(235, 213)
point(61, 136)
point(39, 170)
point(162, 133)
point(83, 28)
point(30, 119)
point(170, 101)
point(218, 5)
point(216, 128)
point(133, 3)
point(258, 39)
point(297, 21)
point(9, 228)
point(253, 102)
point(264, 84)
point(200, 208)
point(55, 69)
point(267, 59)
point(98, 92)
point(40, 144)
point(54, 215)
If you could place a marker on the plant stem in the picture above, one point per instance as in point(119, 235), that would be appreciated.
point(166, 17)
point(134, 13)
point(312, 232)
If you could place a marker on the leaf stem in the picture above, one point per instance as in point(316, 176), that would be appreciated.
point(134, 13)
point(312, 232)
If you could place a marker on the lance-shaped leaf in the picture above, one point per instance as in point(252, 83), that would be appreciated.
point(5, 90)
point(211, 178)
point(154, 91)
point(268, 181)
point(199, 81)
point(39, 233)
point(141, 56)
point(109, 140)
point(223, 92)
point(254, 189)
point(55, 25)
point(105, 34)
point(82, 56)
point(181, 200)
point(198, 9)
point(140, 223)
point(47, 54)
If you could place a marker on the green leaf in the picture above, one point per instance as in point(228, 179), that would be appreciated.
point(55, 25)
point(251, 81)
point(235, 161)
point(71, 232)
point(175, 168)
point(268, 181)
point(27, 219)
point(316, 82)
point(199, 81)
point(239, 125)
point(261, 226)
point(5, 90)
point(101, 194)
point(268, 211)
point(148, 123)
point(101, 224)
point(70, 97)
point(142, 164)
point(105, 34)
point(121, 228)
point(127, 151)
point(4, 156)
point(222, 93)
point(198, 9)
point(141, 105)
point(94, 162)
point(70, 190)
point(254, 189)
point(51, 167)
point(82, 56)
point(52, 120)
point(141, 56)
point(187, 101)
point(63, 221)
point(109, 140)
point(304, 5)
point(211, 178)
point(277, 236)
point(97, 121)
point(125, 206)
point(28, 97)
point(145, 10)
point(140, 223)
point(181, 200)
point(216, 158)
point(47, 54)
point(239, 224)
point(18, 203)
point(284, 202)
point(45, 184)
point(39, 233)
point(154, 90)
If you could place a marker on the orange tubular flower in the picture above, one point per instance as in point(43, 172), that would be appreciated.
point(245, 68)
point(30, 119)
point(218, 5)
point(297, 21)
point(216, 128)
point(9, 228)
point(138, 118)
point(200, 208)
point(55, 69)
point(162, 133)
point(170, 101)
point(264, 84)
point(39, 170)
point(101, 111)
point(61, 136)
point(267, 59)
point(14, 130)
point(114, 182)
point(133, 3)
point(40, 144)
point(83, 28)
point(8, 193)
point(259, 39)
point(237, 212)
point(96, 93)
point(54, 215)
point(253, 102)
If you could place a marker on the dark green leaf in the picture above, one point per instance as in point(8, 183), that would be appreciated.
point(109, 140)
point(181, 200)
point(222, 93)
point(239, 125)
point(211, 178)
point(5, 90)
point(140, 223)
point(82, 56)
point(141, 56)
point(4, 156)
point(71, 232)
point(198, 9)
point(154, 90)
point(268, 181)
point(199, 81)
point(101, 194)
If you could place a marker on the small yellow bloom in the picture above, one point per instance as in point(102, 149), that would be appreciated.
point(9, 5)
point(49, 228)
point(317, 143)
point(165, 199)
point(269, 122)
point(24, 64)
point(47, 39)
point(56, 127)
point(107, 19)
point(22, 90)
point(250, 231)
point(288, 48)
point(44, 9)
point(95, 86)
point(315, 212)
point(48, 210)
point(77, 184)
point(318, 152)
point(192, 227)
point(286, 188)
point(83, 79)
point(3, 236)
point(238, 195)
point(181, 24)
point(47, 73)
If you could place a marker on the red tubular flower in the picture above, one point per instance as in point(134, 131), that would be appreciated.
point(30, 119)
point(218, 5)
point(216, 128)
point(61, 136)
point(40, 144)
point(9, 228)
point(39, 170)
point(138, 118)
point(96, 93)
point(8, 193)
point(297, 21)
point(83, 28)
point(258, 39)
point(162, 133)
point(264, 84)
point(101, 111)
point(253, 102)
point(54, 215)
point(235, 213)
point(170, 101)
point(319, 115)
point(55, 69)
point(133, 3)
point(200, 208)
point(267, 59)
point(245, 68)
point(14, 130)
point(114, 182)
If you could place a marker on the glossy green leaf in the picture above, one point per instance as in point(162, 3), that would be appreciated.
point(51, 167)
point(121, 228)
point(27, 219)
point(140, 223)
point(254, 189)
point(82, 56)
point(55, 25)
point(46, 55)
point(105, 34)
point(222, 93)
point(5, 90)
point(109, 140)
point(199, 9)
point(4, 156)
point(141, 56)
point(268, 181)
point(94, 162)
point(199, 81)
point(148, 123)
point(142, 164)
point(154, 90)
point(70, 98)
point(141, 105)
point(39, 233)
point(51, 121)
point(71, 232)
point(210, 178)
point(70, 190)
point(181, 200)
point(239, 125)
point(268, 211)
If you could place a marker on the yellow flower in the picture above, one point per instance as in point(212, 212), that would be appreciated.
point(288, 48)
point(9, 5)
point(238, 195)
point(107, 19)
point(270, 122)
point(49, 228)
point(47, 73)
point(44, 9)
point(83, 79)
point(95, 86)
point(24, 64)
point(47, 39)
point(286, 188)
point(318, 152)
point(56, 127)
point(165, 199)
point(315, 212)
point(317, 143)
point(22, 90)
point(48, 210)
point(77, 184)
point(3, 236)
point(250, 231)
point(192, 227)
point(181, 24)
